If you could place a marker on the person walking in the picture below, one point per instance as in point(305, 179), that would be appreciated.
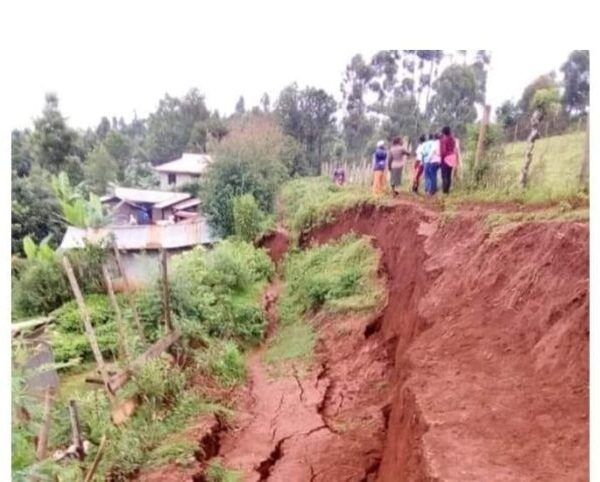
point(379, 165)
point(432, 162)
point(396, 164)
point(449, 157)
point(418, 165)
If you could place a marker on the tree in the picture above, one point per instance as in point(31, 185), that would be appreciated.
point(52, 140)
point(35, 209)
point(21, 156)
point(217, 127)
point(100, 169)
point(507, 114)
point(265, 102)
point(103, 128)
point(546, 81)
point(198, 137)
point(456, 93)
point(248, 219)
point(240, 106)
point(576, 70)
point(254, 158)
point(170, 127)
point(120, 148)
point(357, 126)
point(139, 173)
point(307, 116)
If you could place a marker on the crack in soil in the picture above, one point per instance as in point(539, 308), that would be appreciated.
point(299, 384)
point(266, 466)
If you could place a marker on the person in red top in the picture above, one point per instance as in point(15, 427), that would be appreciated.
point(449, 155)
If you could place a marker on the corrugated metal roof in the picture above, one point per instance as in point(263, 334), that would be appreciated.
point(189, 203)
point(188, 163)
point(158, 198)
point(153, 236)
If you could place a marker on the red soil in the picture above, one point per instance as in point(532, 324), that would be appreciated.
point(475, 369)
point(490, 377)
point(276, 244)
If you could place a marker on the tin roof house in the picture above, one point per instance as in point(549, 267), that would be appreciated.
point(185, 170)
point(142, 222)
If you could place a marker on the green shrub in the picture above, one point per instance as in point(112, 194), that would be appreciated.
point(68, 335)
point(216, 472)
point(40, 288)
point(218, 292)
point(158, 383)
point(223, 360)
point(340, 276)
point(247, 217)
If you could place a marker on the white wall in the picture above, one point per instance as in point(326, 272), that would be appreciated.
point(180, 180)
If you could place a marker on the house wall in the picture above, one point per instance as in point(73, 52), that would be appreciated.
point(180, 180)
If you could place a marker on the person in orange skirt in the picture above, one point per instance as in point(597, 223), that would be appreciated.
point(379, 164)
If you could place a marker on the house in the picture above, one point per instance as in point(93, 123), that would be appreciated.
point(150, 207)
point(185, 170)
point(143, 222)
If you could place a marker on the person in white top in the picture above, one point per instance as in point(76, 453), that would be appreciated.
point(432, 160)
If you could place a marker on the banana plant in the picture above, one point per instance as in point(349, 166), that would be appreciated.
point(41, 252)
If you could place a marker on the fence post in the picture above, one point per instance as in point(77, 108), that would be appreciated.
point(42, 444)
point(118, 318)
point(484, 122)
point(130, 299)
point(89, 330)
point(165, 290)
point(76, 429)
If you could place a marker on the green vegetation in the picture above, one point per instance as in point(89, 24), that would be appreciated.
point(218, 291)
point(337, 277)
point(216, 472)
point(223, 361)
point(557, 215)
point(248, 219)
point(68, 336)
point(554, 173)
point(311, 201)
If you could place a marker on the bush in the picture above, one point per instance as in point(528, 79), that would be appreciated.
point(158, 383)
point(217, 292)
point(223, 360)
point(68, 336)
point(40, 288)
point(247, 217)
point(252, 159)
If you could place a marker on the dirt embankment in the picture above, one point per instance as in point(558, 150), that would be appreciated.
point(489, 335)
point(476, 369)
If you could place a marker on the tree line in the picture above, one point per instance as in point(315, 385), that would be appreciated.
point(394, 92)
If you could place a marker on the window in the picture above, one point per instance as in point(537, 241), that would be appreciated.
point(171, 179)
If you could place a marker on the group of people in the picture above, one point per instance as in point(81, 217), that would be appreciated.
point(434, 152)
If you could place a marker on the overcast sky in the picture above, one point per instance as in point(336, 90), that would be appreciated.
point(121, 59)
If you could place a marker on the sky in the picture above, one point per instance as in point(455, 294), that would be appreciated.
point(111, 59)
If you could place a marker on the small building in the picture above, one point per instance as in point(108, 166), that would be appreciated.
point(143, 222)
point(185, 170)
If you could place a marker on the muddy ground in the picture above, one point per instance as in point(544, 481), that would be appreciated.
point(476, 368)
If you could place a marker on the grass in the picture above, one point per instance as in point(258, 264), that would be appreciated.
point(223, 361)
point(553, 174)
point(497, 219)
point(216, 472)
point(338, 277)
point(311, 201)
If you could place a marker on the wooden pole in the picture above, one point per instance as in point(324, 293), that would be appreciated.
point(89, 330)
point(76, 429)
point(94, 467)
point(42, 444)
point(130, 298)
point(165, 290)
point(124, 352)
point(484, 122)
